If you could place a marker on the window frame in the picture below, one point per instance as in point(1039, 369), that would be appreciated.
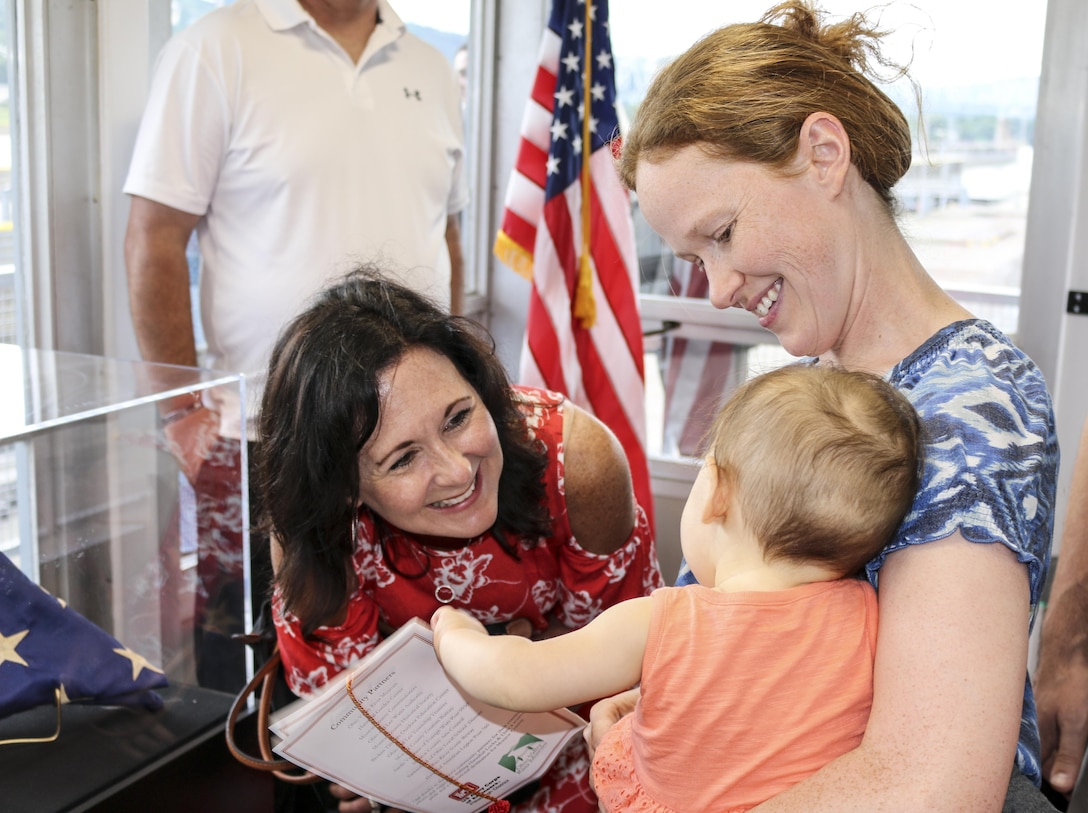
point(56, 186)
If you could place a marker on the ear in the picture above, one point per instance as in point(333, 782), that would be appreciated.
point(721, 495)
point(824, 148)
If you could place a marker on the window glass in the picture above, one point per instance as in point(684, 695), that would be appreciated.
point(184, 13)
point(9, 331)
point(964, 198)
point(443, 24)
point(8, 327)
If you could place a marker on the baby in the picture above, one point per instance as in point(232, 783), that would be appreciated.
point(770, 657)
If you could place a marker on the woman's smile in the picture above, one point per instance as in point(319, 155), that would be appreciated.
point(767, 302)
point(460, 499)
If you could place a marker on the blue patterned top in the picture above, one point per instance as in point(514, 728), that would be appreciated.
point(991, 463)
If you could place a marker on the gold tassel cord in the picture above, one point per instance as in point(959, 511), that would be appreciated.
point(497, 805)
point(55, 734)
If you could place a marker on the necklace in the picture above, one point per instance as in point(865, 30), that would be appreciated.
point(444, 593)
point(423, 553)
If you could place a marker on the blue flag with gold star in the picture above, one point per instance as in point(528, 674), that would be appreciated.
point(45, 645)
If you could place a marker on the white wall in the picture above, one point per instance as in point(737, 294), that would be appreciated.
point(519, 30)
point(56, 146)
point(1056, 249)
point(130, 34)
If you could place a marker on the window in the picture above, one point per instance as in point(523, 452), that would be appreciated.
point(9, 329)
point(184, 13)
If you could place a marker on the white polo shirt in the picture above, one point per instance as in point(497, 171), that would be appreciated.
point(301, 164)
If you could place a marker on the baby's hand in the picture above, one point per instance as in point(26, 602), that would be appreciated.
point(447, 619)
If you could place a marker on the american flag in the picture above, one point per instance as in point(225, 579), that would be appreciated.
point(567, 227)
point(47, 648)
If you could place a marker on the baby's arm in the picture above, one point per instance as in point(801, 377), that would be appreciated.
point(515, 673)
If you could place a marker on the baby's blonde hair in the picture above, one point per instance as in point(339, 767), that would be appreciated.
point(824, 461)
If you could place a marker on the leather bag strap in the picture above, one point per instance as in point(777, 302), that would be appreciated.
point(280, 768)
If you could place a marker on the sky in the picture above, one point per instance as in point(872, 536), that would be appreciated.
point(443, 15)
point(960, 39)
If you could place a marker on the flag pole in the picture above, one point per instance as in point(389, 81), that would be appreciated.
point(585, 308)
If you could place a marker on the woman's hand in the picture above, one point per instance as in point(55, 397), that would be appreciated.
point(605, 714)
point(1061, 678)
point(1061, 688)
point(191, 438)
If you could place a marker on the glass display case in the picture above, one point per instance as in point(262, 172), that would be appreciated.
point(120, 494)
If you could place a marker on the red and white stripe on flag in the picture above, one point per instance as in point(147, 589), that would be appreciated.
point(567, 228)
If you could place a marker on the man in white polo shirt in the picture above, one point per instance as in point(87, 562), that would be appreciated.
point(294, 136)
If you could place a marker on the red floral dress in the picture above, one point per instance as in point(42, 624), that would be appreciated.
point(554, 578)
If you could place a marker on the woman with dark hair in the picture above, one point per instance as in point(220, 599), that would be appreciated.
point(400, 471)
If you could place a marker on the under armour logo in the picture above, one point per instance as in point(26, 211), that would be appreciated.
point(408, 94)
